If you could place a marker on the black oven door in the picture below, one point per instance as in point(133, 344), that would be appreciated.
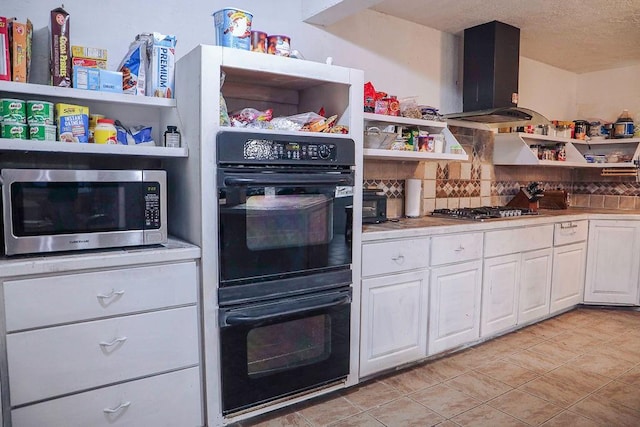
point(271, 350)
point(284, 223)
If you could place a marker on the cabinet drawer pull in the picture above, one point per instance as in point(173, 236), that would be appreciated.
point(111, 294)
point(459, 249)
point(116, 409)
point(114, 342)
point(568, 226)
point(398, 259)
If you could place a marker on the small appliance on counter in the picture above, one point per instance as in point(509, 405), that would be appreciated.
point(528, 197)
point(374, 206)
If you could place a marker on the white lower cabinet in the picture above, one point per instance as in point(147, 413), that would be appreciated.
point(613, 262)
point(112, 347)
point(501, 277)
point(516, 277)
point(394, 321)
point(167, 400)
point(569, 259)
point(454, 305)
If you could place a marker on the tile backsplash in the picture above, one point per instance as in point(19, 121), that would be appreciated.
point(477, 182)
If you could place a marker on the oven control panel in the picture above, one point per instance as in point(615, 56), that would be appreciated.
point(303, 151)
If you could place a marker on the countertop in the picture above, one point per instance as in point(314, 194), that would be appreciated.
point(429, 225)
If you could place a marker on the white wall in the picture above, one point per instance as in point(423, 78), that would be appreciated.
point(604, 94)
point(398, 57)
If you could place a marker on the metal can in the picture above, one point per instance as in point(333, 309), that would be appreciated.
point(13, 110)
point(14, 131)
point(42, 132)
point(40, 113)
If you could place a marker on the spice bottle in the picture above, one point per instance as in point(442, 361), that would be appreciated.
point(172, 137)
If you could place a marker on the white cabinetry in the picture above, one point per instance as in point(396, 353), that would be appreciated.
point(108, 346)
point(612, 262)
point(394, 304)
point(515, 149)
point(569, 257)
point(454, 297)
point(381, 120)
point(287, 86)
point(516, 277)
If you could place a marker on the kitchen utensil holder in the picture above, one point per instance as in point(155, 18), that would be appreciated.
point(521, 200)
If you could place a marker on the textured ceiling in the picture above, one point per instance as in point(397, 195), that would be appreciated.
point(575, 35)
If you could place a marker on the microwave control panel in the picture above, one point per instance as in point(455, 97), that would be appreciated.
point(152, 204)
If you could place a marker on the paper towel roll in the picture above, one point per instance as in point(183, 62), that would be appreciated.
point(412, 197)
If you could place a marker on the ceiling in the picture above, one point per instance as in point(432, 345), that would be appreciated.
point(580, 36)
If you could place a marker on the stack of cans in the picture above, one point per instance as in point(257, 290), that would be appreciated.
point(27, 120)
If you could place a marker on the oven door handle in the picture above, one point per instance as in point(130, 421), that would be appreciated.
point(257, 315)
point(288, 179)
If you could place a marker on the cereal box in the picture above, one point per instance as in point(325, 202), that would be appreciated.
point(73, 123)
point(60, 49)
point(18, 41)
point(162, 67)
point(5, 67)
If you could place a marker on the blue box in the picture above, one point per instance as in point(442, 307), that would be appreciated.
point(97, 79)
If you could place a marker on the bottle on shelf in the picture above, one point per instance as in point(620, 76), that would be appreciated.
point(172, 137)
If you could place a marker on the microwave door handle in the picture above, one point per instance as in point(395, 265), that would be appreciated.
point(258, 315)
point(297, 179)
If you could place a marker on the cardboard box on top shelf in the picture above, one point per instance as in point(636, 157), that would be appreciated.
point(5, 61)
point(60, 48)
point(20, 35)
point(91, 57)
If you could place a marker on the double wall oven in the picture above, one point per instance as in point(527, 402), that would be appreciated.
point(285, 264)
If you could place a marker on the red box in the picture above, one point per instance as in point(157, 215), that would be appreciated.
point(5, 64)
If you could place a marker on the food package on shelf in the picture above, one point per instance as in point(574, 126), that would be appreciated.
point(162, 66)
point(60, 48)
point(5, 60)
point(20, 35)
point(134, 66)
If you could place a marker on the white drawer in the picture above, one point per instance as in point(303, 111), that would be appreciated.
point(394, 256)
point(570, 232)
point(456, 248)
point(50, 362)
point(514, 240)
point(169, 400)
point(32, 303)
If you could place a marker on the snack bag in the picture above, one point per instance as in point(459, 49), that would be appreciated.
point(134, 65)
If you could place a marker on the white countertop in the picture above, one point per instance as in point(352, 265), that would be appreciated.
point(174, 250)
point(429, 226)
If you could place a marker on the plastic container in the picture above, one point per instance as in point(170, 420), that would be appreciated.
point(623, 127)
point(105, 132)
point(42, 132)
point(259, 41)
point(233, 28)
point(172, 137)
point(40, 113)
point(279, 45)
point(13, 111)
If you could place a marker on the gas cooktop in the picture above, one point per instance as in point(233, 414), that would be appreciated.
point(483, 213)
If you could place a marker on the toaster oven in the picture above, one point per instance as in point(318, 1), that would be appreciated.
point(374, 207)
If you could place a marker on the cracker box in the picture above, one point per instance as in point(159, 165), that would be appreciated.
point(73, 122)
point(5, 64)
point(18, 41)
point(89, 52)
point(97, 79)
point(60, 48)
point(162, 67)
point(89, 62)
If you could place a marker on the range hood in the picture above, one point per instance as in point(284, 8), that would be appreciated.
point(490, 80)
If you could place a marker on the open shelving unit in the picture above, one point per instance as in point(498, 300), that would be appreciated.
point(431, 126)
point(515, 149)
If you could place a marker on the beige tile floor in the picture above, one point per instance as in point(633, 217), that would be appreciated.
point(581, 368)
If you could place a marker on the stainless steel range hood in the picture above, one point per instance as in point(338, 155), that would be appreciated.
point(490, 80)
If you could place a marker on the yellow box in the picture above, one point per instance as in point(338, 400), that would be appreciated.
point(89, 52)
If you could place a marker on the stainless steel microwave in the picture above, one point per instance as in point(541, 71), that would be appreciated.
point(51, 210)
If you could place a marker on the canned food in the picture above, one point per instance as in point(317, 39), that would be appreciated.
point(233, 28)
point(279, 45)
point(13, 110)
point(259, 41)
point(40, 113)
point(42, 132)
point(14, 131)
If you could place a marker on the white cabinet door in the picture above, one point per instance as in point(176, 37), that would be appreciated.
point(501, 276)
point(535, 285)
point(454, 307)
point(567, 282)
point(394, 321)
point(612, 262)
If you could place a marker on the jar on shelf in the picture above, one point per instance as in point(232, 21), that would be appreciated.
point(105, 132)
point(581, 129)
point(623, 127)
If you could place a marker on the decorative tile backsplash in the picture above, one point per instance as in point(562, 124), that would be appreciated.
point(477, 182)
